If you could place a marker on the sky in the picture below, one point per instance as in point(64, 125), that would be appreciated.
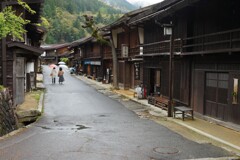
point(145, 2)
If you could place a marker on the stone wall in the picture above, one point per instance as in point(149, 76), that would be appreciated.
point(8, 120)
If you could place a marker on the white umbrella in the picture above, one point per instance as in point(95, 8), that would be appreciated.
point(63, 66)
point(61, 63)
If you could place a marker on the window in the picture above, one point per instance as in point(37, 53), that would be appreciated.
point(211, 79)
point(217, 87)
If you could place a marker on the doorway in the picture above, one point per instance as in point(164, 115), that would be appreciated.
point(155, 79)
point(20, 79)
point(216, 94)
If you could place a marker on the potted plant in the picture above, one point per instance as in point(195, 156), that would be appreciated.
point(234, 94)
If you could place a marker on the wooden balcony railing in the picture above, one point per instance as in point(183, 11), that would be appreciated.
point(219, 42)
point(226, 41)
point(92, 54)
point(107, 55)
point(161, 47)
point(134, 51)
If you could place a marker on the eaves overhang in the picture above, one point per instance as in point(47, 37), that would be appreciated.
point(34, 50)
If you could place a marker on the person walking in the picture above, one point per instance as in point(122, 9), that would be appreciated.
point(53, 75)
point(60, 75)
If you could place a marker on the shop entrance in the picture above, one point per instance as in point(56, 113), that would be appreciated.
point(155, 79)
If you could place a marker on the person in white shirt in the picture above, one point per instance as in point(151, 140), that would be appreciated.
point(139, 92)
point(53, 75)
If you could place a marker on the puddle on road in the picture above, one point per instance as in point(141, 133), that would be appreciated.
point(103, 115)
point(76, 127)
point(80, 127)
point(44, 127)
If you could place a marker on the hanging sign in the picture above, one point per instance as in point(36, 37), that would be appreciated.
point(136, 71)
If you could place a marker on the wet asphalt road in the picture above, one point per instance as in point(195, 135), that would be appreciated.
point(81, 123)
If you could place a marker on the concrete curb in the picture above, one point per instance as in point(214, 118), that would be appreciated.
point(12, 133)
point(40, 103)
point(206, 134)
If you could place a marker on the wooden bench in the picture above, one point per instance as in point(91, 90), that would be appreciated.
point(161, 102)
point(185, 111)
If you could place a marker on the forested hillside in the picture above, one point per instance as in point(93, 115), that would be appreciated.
point(66, 17)
point(121, 4)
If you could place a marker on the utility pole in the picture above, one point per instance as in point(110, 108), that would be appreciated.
point(168, 30)
point(170, 107)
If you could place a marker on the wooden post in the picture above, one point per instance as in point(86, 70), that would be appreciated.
point(171, 75)
point(168, 30)
point(4, 56)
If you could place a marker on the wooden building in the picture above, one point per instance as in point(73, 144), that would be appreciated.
point(127, 42)
point(78, 54)
point(18, 59)
point(53, 53)
point(89, 54)
point(107, 63)
point(206, 61)
point(93, 59)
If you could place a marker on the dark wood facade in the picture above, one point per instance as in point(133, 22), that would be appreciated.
point(19, 58)
point(206, 47)
point(213, 86)
point(77, 54)
point(107, 63)
point(53, 53)
point(130, 68)
point(90, 57)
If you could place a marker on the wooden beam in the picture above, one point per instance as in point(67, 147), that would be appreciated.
point(4, 62)
point(4, 59)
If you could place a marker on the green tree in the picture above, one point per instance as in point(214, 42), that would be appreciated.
point(58, 9)
point(81, 33)
point(45, 23)
point(112, 18)
point(11, 23)
point(64, 60)
point(71, 7)
point(99, 18)
point(77, 22)
point(49, 11)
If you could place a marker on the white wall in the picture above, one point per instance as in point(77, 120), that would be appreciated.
point(30, 67)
